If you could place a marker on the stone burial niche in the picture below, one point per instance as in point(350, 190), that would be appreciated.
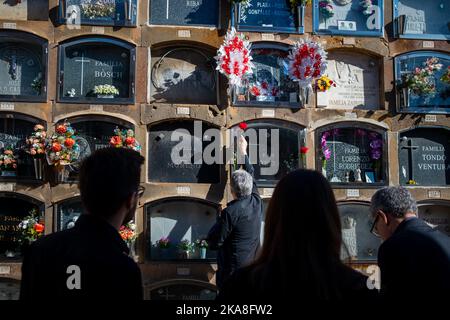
point(92, 133)
point(417, 93)
point(357, 78)
point(13, 209)
point(417, 19)
point(22, 10)
point(15, 128)
point(175, 224)
point(103, 13)
point(183, 290)
point(269, 83)
point(358, 243)
point(274, 148)
point(23, 66)
point(436, 213)
point(352, 154)
point(424, 157)
point(9, 289)
point(184, 75)
point(176, 151)
point(96, 70)
point(203, 13)
point(67, 213)
point(270, 16)
point(349, 17)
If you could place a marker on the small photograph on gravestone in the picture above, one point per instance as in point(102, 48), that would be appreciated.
point(351, 155)
point(185, 12)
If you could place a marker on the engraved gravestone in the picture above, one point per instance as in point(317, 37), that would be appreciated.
point(87, 66)
point(184, 12)
point(424, 157)
point(357, 81)
point(179, 220)
point(191, 168)
point(21, 69)
point(183, 75)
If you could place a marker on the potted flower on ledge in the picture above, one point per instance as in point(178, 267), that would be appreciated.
point(202, 246)
point(31, 228)
point(106, 91)
point(8, 163)
point(185, 248)
point(35, 146)
point(163, 245)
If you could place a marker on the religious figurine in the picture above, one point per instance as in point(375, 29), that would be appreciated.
point(347, 176)
point(71, 93)
point(358, 175)
point(349, 248)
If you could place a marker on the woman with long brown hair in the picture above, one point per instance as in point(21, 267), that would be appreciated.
point(301, 249)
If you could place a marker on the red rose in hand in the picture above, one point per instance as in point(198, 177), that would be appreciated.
point(69, 142)
point(304, 150)
point(243, 126)
point(115, 141)
point(130, 141)
point(61, 129)
point(56, 147)
point(39, 228)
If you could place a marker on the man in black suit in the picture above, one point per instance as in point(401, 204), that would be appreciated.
point(237, 231)
point(414, 258)
point(90, 261)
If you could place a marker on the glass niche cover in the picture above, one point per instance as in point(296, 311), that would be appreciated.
point(269, 84)
point(423, 82)
point(68, 213)
point(418, 19)
point(349, 17)
point(351, 155)
point(97, 70)
point(98, 12)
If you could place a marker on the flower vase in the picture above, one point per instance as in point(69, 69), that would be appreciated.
point(301, 16)
point(132, 247)
point(202, 253)
point(164, 253)
point(61, 174)
point(38, 168)
point(305, 93)
point(184, 254)
point(406, 97)
point(324, 168)
point(236, 13)
point(9, 173)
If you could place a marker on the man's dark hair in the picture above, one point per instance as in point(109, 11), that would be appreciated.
point(107, 178)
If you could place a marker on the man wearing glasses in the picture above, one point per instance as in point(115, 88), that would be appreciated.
point(414, 258)
point(90, 260)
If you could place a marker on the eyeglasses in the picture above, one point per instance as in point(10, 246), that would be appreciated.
point(140, 191)
point(373, 229)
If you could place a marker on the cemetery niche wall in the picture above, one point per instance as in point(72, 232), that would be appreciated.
point(268, 16)
point(183, 75)
point(274, 148)
point(423, 82)
point(437, 213)
point(96, 70)
point(186, 141)
point(174, 225)
point(67, 213)
point(94, 12)
point(13, 209)
point(357, 79)
point(358, 243)
point(204, 13)
point(9, 289)
point(23, 10)
point(416, 19)
point(269, 83)
point(92, 133)
point(23, 67)
point(349, 17)
point(424, 155)
point(352, 154)
point(16, 163)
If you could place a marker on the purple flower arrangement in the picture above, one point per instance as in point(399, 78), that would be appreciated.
point(376, 145)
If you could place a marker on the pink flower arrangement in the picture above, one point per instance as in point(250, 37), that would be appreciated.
point(421, 81)
point(163, 243)
point(8, 160)
point(36, 142)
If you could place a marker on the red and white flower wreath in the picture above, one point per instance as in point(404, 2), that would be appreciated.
point(234, 59)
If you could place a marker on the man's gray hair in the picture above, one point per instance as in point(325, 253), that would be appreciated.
point(241, 183)
point(396, 201)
